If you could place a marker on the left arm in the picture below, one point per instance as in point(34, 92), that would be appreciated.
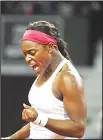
point(75, 106)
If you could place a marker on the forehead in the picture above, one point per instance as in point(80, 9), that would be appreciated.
point(27, 45)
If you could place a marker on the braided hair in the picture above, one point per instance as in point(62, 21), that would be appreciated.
point(50, 29)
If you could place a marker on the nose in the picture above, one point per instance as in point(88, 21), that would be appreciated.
point(27, 58)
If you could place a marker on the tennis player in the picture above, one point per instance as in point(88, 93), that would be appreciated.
point(57, 98)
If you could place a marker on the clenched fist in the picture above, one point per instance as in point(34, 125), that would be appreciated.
point(29, 113)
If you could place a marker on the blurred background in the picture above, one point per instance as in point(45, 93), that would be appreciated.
point(79, 23)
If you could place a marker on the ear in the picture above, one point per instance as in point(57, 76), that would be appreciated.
point(50, 47)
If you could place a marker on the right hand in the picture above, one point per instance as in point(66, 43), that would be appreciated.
point(29, 113)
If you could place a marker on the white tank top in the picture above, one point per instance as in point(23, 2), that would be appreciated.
point(42, 99)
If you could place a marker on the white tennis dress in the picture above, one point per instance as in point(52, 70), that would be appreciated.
point(42, 99)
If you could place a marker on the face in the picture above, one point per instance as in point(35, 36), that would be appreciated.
point(36, 55)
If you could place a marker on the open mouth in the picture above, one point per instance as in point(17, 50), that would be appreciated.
point(34, 65)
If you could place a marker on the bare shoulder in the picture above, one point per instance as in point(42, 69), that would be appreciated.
point(70, 80)
point(70, 74)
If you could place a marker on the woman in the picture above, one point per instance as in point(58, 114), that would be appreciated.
point(58, 107)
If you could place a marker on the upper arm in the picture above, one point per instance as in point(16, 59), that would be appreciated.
point(73, 98)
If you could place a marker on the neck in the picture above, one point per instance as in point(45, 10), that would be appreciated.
point(54, 64)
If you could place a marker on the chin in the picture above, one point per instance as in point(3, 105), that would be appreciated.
point(39, 72)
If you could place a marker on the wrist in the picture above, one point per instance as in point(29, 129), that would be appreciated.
point(41, 119)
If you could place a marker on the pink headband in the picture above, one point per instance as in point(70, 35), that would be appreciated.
point(38, 37)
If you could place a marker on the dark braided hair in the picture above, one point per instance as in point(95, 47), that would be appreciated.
point(51, 30)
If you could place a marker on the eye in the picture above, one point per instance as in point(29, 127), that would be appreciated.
point(32, 52)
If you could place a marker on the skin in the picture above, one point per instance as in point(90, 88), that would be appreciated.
point(71, 92)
